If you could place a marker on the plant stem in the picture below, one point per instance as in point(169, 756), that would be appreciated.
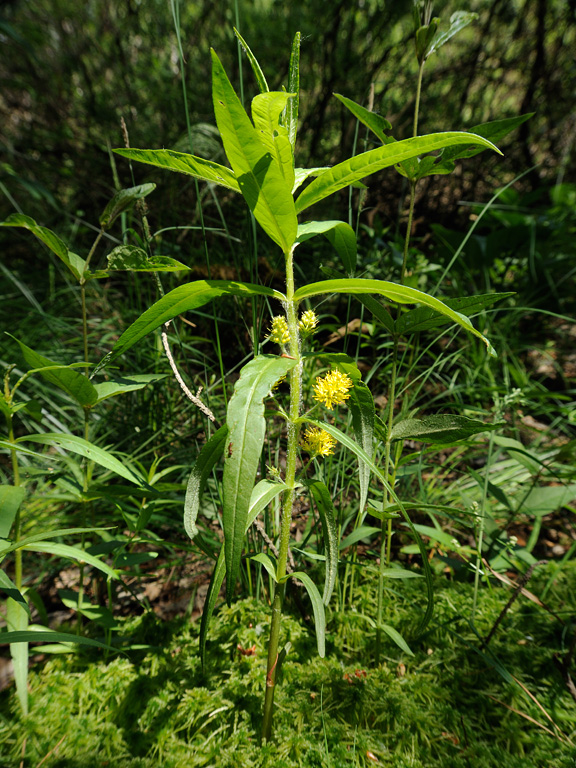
point(287, 501)
point(417, 100)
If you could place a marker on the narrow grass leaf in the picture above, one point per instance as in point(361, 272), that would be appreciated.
point(43, 535)
point(19, 637)
point(292, 107)
point(256, 68)
point(207, 458)
point(17, 621)
point(399, 293)
point(317, 608)
point(356, 449)
point(325, 507)
point(89, 451)
point(181, 162)
point(367, 163)
point(362, 532)
point(11, 497)
point(259, 177)
point(246, 425)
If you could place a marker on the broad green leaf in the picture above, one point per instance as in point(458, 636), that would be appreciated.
point(8, 586)
point(291, 113)
point(355, 448)
point(458, 20)
point(325, 507)
point(424, 318)
point(372, 120)
point(72, 553)
point(266, 561)
point(340, 235)
point(367, 163)
point(301, 174)
point(399, 293)
point(393, 634)
point(378, 311)
point(97, 613)
point(317, 608)
point(445, 428)
point(76, 384)
point(362, 532)
point(246, 425)
point(259, 177)
point(181, 162)
point(260, 79)
point(266, 111)
point(129, 383)
point(545, 499)
point(443, 538)
point(130, 257)
point(182, 299)
point(11, 496)
point(74, 263)
point(17, 621)
point(207, 458)
point(122, 201)
point(264, 492)
point(89, 451)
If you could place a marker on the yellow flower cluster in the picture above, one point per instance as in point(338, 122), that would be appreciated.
point(333, 389)
point(308, 322)
point(279, 333)
point(318, 442)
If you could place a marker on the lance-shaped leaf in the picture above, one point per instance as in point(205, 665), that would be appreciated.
point(317, 608)
point(17, 621)
point(182, 299)
point(246, 425)
point(301, 174)
point(399, 293)
point(445, 428)
point(372, 120)
point(325, 507)
point(424, 318)
point(72, 553)
point(129, 383)
point(357, 450)
point(42, 536)
point(266, 111)
point(181, 162)
point(263, 493)
point(259, 177)
point(11, 497)
point(74, 263)
point(130, 257)
point(207, 458)
point(458, 20)
point(71, 381)
point(359, 166)
point(256, 68)
point(89, 451)
point(8, 586)
point(50, 636)
point(495, 130)
point(291, 112)
point(123, 201)
point(340, 235)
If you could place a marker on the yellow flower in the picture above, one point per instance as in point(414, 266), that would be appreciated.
point(333, 389)
point(318, 442)
point(279, 333)
point(308, 322)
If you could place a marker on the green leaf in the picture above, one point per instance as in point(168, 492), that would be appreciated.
point(129, 383)
point(136, 259)
point(424, 318)
point(74, 263)
point(49, 636)
point(495, 130)
point(340, 235)
point(11, 547)
point(291, 113)
point(443, 538)
point(122, 201)
point(181, 162)
point(394, 635)
point(266, 111)
point(362, 532)
point(317, 608)
point(76, 384)
point(399, 293)
point(72, 553)
point(207, 458)
point(8, 586)
point(458, 20)
point(355, 448)
point(89, 451)
point(445, 428)
point(378, 311)
point(260, 79)
point(372, 120)
point(97, 613)
point(301, 174)
point(246, 425)
point(266, 561)
point(17, 621)
point(182, 299)
point(325, 507)
point(11, 497)
point(259, 177)
point(367, 163)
